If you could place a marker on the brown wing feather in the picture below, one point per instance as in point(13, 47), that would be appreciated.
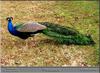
point(31, 27)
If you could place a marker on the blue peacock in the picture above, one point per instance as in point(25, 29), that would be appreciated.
point(60, 34)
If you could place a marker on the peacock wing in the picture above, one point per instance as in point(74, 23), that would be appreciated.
point(18, 25)
point(31, 27)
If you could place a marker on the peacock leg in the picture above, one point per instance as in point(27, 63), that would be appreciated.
point(26, 43)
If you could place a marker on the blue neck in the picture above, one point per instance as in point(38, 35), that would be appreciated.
point(10, 26)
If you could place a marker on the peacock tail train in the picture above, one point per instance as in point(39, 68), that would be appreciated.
point(66, 35)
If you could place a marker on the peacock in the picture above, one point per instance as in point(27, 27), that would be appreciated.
point(60, 34)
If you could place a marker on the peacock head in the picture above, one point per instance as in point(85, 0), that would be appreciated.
point(9, 18)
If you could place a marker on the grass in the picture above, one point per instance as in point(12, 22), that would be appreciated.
point(80, 15)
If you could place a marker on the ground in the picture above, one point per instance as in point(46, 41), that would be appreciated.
point(80, 15)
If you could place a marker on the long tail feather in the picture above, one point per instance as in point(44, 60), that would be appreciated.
point(59, 29)
point(76, 39)
point(66, 35)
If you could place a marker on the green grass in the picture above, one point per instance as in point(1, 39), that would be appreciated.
point(42, 51)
